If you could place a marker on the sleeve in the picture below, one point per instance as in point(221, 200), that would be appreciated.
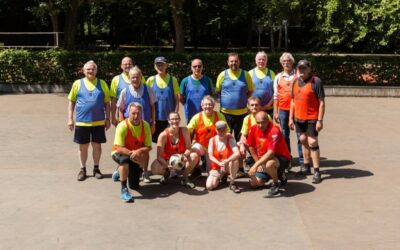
point(182, 87)
point(249, 81)
point(113, 87)
point(193, 123)
point(74, 91)
point(245, 126)
point(210, 146)
point(147, 134)
point(176, 85)
point(152, 95)
point(251, 138)
point(121, 99)
point(120, 134)
point(319, 88)
point(273, 139)
point(276, 86)
point(272, 74)
point(106, 91)
point(150, 81)
point(219, 82)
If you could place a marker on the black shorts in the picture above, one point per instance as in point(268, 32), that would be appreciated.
point(307, 127)
point(160, 127)
point(84, 135)
point(135, 171)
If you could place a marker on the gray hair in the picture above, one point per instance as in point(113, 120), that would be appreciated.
point(137, 69)
point(91, 62)
point(286, 54)
point(262, 53)
point(208, 98)
point(136, 105)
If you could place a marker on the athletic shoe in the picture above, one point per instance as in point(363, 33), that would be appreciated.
point(187, 183)
point(125, 195)
point(304, 171)
point(146, 177)
point(115, 176)
point(274, 189)
point(196, 173)
point(97, 173)
point(224, 179)
point(82, 175)
point(165, 177)
point(282, 177)
point(234, 188)
point(316, 178)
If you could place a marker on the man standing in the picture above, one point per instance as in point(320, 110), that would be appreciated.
point(283, 85)
point(141, 93)
point(91, 98)
point(268, 148)
point(263, 79)
point(193, 88)
point(166, 89)
point(234, 85)
point(132, 145)
point(307, 113)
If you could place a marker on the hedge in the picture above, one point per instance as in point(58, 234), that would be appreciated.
point(62, 67)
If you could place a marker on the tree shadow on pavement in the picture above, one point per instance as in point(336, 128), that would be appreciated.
point(155, 190)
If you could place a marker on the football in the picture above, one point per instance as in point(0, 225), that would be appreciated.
point(176, 162)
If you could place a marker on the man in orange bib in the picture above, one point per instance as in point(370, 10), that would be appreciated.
point(307, 113)
point(131, 148)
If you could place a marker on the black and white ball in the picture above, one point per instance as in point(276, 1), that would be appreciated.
point(176, 162)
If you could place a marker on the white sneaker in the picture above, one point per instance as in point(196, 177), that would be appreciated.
point(146, 177)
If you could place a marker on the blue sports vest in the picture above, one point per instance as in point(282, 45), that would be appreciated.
point(234, 92)
point(263, 88)
point(193, 95)
point(90, 104)
point(165, 99)
point(144, 101)
point(122, 84)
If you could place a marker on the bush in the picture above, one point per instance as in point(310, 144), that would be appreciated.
point(62, 67)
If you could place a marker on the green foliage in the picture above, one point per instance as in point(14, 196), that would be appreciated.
point(62, 67)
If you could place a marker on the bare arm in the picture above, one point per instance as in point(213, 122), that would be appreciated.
point(291, 115)
point(113, 111)
point(71, 108)
point(160, 148)
point(321, 114)
point(107, 110)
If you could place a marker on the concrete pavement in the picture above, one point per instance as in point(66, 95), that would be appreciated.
point(42, 206)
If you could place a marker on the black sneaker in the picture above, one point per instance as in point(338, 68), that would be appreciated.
point(97, 173)
point(316, 178)
point(196, 173)
point(304, 171)
point(82, 175)
point(274, 189)
point(165, 177)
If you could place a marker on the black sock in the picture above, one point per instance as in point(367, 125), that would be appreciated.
point(316, 170)
point(96, 166)
point(123, 184)
point(308, 165)
point(84, 168)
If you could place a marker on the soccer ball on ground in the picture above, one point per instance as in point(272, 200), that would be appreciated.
point(176, 162)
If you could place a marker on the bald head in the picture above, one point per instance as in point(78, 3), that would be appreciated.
point(262, 120)
point(126, 64)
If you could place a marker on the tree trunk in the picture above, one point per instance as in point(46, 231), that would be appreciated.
point(280, 38)
point(54, 21)
point(271, 35)
point(250, 11)
point(193, 23)
point(70, 24)
point(177, 16)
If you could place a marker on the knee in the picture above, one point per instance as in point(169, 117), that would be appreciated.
point(313, 144)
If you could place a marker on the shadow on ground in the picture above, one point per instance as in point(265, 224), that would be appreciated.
point(345, 173)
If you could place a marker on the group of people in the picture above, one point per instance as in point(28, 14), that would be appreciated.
point(257, 111)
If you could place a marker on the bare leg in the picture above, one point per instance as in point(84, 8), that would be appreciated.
point(83, 154)
point(96, 153)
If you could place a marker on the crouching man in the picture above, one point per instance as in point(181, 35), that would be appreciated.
point(268, 148)
point(174, 140)
point(224, 155)
point(131, 148)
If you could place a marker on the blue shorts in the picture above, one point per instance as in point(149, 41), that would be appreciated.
point(84, 135)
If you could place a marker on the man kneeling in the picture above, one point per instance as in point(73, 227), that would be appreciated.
point(268, 148)
point(131, 148)
point(224, 155)
point(174, 140)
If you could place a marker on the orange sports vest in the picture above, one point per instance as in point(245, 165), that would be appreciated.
point(131, 142)
point(170, 149)
point(203, 134)
point(285, 92)
point(220, 155)
point(306, 102)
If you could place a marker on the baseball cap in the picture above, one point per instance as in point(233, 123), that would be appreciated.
point(304, 63)
point(160, 59)
point(220, 124)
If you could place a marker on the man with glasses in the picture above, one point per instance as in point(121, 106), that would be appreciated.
point(166, 88)
point(268, 148)
point(193, 88)
point(307, 113)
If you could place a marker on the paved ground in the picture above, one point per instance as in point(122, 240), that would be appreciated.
point(42, 206)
